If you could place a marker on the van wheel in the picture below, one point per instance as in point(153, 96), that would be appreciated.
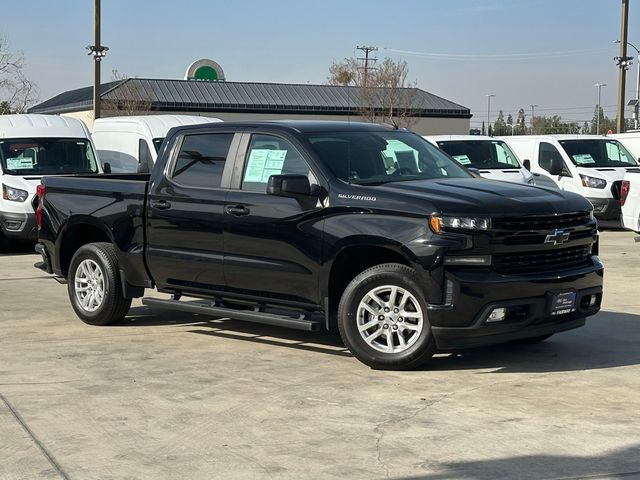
point(94, 285)
point(383, 321)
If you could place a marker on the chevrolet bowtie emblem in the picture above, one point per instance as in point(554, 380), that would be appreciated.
point(558, 237)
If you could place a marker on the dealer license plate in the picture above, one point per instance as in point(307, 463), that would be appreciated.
point(563, 303)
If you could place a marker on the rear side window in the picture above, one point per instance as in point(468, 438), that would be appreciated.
point(546, 152)
point(201, 160)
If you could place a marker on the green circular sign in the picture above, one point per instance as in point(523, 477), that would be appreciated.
point(206, 73)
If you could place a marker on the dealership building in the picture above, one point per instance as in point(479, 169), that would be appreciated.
point(205, 92)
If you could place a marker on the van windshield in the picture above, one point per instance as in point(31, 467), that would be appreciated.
point(598, 153)
point(371, 158)
point(47, 156)
point(481, 154)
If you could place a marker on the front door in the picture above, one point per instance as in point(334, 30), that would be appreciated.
point(272, 244)
point(185, 214)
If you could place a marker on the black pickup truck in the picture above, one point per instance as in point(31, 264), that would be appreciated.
point(314, 225)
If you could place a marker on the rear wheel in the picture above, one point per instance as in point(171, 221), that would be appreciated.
point(94, 285)
point(382, 319)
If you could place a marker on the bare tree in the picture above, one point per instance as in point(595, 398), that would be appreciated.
point(129, 98)
point(388, 96)
point(17, 92)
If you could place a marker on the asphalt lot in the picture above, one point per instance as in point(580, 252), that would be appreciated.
point(178, 396)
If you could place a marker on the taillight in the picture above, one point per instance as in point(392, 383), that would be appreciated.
point(624, 191)
point(40, 194)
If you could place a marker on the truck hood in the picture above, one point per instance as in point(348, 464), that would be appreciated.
point(473, 196)
point(610, 174)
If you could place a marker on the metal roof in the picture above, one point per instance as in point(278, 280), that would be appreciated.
point(189, 95)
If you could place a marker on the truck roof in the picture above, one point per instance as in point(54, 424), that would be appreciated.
point(308, 126)
point(41, 126)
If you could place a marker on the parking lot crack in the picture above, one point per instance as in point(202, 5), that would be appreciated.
point(50, 458)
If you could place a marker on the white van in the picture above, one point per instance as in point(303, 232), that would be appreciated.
point(590, 165)
point(131, 144)
point(630, 201)
point(631, 141)
point(32, 146)
point(490, 156)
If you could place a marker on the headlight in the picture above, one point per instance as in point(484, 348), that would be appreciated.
point(593, 182)
point(438, 224)
point(14, 194)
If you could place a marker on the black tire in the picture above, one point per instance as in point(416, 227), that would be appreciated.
point(113, 306)
point(388, 274)
point(532, 340)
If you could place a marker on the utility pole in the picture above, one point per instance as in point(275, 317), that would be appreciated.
point(366, 60)
point(489, 95)
point(98, 52)
point(599, 87)
point(623, 63)
point(533, 110)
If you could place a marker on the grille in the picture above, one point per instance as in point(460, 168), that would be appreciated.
point(541, 261)
point(542, 222)
point(615, 189)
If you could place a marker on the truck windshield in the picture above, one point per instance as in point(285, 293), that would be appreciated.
point(598, 153)
point(370, 158)
point(47, 156)
point(481, 154)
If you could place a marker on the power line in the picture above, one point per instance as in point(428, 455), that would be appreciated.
point(499, 56)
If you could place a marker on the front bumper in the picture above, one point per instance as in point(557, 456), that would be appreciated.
point(19, 226)
point(606, 210)
point(474, 293)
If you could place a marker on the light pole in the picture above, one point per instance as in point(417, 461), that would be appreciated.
point(533, 110)
point(599, 87)
point(489, 95)
point(636, 107)
point(98, 52)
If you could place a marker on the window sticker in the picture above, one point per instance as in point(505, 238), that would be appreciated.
point(583, 159)
point(463, 159)
point(19, 163)
point(263, 163)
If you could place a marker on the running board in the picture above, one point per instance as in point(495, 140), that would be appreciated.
point(298, 323)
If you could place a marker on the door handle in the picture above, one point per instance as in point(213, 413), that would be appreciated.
point(238, 210)
point(160, 204)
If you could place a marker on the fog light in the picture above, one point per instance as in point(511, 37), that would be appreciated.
point(13, 225)
point(497, 315)
point(592, 300)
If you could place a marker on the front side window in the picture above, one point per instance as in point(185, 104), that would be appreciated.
point(481, 154)
point(144, 156)
point(546, 153)
point(598, 153)
point(270, 155)
point(47, 156)
point(372, 158)
point(201, 160)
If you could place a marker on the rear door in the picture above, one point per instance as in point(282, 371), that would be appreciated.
point(185, 210)
point(272, 244)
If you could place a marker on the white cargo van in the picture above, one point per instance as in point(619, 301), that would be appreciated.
point(131, 144)
point(32, 146)
point(590, 165)
point(630, 201)
point(492, 157)
point(631, 141)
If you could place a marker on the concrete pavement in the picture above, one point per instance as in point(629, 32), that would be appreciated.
point(177, 396)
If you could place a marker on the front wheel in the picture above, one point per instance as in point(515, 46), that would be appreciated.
point(383, 321)
point(94, 285)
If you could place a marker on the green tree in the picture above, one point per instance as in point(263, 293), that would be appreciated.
point(500, 127)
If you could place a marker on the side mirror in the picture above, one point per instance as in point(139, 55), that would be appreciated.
point(475, 172)
point(289, 186)
point(556, 168)
point(106, 167)
point(527, 164)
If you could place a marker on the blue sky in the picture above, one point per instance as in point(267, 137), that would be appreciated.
point(295, 41)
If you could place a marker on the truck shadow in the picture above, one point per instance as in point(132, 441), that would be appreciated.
point(617, 464)
point(19, 248)
point(609, 339)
